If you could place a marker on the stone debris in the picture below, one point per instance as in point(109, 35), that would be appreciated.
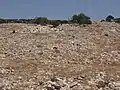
point(68, 57)
point(60, 84)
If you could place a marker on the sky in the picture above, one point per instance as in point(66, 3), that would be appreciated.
point(58, 9)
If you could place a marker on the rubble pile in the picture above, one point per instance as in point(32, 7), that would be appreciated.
point(68, 57)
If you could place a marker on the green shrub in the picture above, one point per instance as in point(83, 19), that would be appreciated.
point(55, 23)
point(80, 19)
point(117, 20)
point(109, 18)
point(41, 20)
point(102, 20)
point(2, 21)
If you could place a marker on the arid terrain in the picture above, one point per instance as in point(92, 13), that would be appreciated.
point(68, 57)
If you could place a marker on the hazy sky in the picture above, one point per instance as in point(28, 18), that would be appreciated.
point(58, 9)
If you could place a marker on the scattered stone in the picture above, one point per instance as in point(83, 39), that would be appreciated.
point(106, 35)
point(19, 77)
point(49, 88)
point(101, 84)
point(40, 53)
point(13, 31)
point(57, 51)
point(39, 46)
point(73, 84)
point(82, 55)
point(55, 48)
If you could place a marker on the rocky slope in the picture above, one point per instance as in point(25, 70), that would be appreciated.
point(69, 57)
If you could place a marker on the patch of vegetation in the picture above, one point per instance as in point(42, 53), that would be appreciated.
point(109, 18)
point(41, 20)
point(117, 20)
point(102, 20)
point(80, 19)
point(2, 21)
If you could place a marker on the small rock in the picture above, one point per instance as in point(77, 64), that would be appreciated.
point(55, 48)
point(82, 76)
point(106, 35)
point(117, 84)
point(73, 84)
point(19, 77)
point(61, 82)
point(49, 88)
point(57, 51)
point(54, 84)
point(40, 53)
point(13, 31)
point(64, 88)
point(1, 87)
point(100, 89)
point(2, 55)
point(79, 77)
point(101, 84)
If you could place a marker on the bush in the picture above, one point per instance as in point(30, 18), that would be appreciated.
point(102, 20)
point(117, 20)
point(64, 21)
point(109, 18)
point(80, 19)
point(55, 23)
point(41, 20)
point(2, 21)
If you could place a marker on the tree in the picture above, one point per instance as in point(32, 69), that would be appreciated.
point(109, 18)
point(80, 19)
point(74, 18)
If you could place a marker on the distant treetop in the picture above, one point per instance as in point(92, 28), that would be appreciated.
point(109, 18)
point(80, 19)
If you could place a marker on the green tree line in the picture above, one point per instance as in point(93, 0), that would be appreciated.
point(76, 18)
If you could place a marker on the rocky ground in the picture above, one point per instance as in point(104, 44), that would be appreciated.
point(68, 57)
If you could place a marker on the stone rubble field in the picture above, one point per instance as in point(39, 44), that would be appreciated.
point(68, 57)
